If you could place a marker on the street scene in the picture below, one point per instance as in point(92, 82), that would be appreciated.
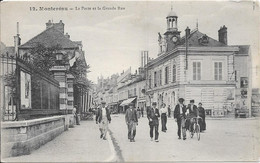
point(115, 81)
point(75, 144)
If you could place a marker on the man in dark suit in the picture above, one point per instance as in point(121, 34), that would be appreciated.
point(102, 118)
point(192, 112)
point(202, 115)
point(153, 117)
point(180, 118)
point(131, 121)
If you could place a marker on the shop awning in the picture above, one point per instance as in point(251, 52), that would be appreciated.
point(128, 101)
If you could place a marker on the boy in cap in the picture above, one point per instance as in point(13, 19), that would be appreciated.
point(103, 117)
point(180, 118)
point(153, 117)
point(131, 121)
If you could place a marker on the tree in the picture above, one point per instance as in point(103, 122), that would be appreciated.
point(79, 70)
point(44, 57)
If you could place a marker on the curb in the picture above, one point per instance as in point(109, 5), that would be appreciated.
point(112, 158)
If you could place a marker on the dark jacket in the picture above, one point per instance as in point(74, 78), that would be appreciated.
point(151, 115)
point(131, 115)
point(193, 112)
point(177, 111)
point(201, 112)
point(99, 115)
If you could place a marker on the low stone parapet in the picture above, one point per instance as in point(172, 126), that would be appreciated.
point(21, 137)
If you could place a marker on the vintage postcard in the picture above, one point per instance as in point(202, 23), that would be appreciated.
point(130, 81)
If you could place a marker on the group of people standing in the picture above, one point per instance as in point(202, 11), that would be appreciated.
point(182, 115)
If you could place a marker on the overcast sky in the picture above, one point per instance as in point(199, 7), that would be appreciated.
point(113, 39)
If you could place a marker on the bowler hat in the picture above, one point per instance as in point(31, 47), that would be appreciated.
point(154, 103)
point(103, 102)
point(191, 101)
point(181, 99)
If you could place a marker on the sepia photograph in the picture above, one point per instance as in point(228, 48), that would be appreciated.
point(130, 81)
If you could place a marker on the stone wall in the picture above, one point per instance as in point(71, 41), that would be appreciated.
point(21, 137)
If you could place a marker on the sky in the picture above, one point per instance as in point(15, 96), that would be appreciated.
point(113, 39)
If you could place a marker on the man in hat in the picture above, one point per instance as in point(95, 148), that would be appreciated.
point(131, 122)
point(153, 117)
point(103, 117)
point(192, 112)
point(180, 117)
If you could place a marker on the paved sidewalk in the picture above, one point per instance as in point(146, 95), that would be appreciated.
point(79, 144)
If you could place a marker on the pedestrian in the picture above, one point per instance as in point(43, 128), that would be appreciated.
point(131, 122)
point(202, 115)
point(192, 112)
point(103, 118)
point(180, 117)
point(75, 114)
point(169, 111)
point(153, 117)
point(138, 113)
point(163, 112)
point(142, 111)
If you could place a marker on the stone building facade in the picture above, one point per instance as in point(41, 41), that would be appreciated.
point(197, 67)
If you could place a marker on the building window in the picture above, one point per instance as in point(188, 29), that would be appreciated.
point(196, 71)
point(70, 103)
point(218, 70)
point(155, 79)
point(174, 73)
point(166, 75)
point(134, 91)
point(70, 85)
point(62, 90)
point(160, 77)
point(62, 101)
point(70, 94)
point(59, 56)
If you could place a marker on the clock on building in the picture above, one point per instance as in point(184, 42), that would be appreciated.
point(174, 39)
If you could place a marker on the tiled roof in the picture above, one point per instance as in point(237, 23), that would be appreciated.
point(50, 37)
point(194, 40)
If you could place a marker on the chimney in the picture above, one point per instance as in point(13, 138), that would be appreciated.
point(48, 24)
point(222, 35)
point(142, 58)
point(67, 35)
point(17, 40)
point(59, 26)
point(187, 31)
